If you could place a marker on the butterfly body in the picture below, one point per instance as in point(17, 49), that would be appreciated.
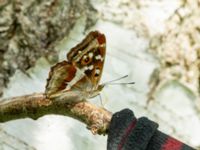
point(82, 72)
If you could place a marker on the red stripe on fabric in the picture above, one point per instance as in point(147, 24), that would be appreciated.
point(127, 131)
point(172, 144)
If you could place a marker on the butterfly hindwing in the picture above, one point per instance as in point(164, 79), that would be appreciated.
point(59, 77)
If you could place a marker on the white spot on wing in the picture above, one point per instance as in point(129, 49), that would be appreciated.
point(98, 57)
point(90, 67)
point(97, 71)
point(90, 54)
point(84, 57)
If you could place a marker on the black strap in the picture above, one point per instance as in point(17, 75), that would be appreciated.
point(139, 138)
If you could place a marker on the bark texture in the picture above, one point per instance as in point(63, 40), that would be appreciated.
point(178, 50)
point(37, 105)
point(30, 30)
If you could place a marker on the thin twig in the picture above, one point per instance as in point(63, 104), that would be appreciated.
point(36, 105)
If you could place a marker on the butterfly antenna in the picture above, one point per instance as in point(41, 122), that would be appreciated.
point(122, 83)
point(112, 82)
point(100, 99)
point(109, 82)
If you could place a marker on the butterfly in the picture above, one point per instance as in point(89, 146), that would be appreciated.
point(81, 73)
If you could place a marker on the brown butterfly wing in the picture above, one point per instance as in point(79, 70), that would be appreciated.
point(89, 56)
point(59, 78)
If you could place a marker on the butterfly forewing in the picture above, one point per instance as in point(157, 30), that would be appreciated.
point(89, 56)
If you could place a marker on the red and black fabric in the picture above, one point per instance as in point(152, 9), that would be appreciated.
point(128, 133)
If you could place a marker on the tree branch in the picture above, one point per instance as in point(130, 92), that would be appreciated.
point(36, 105)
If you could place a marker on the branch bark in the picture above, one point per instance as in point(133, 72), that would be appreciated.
point(36, 105)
